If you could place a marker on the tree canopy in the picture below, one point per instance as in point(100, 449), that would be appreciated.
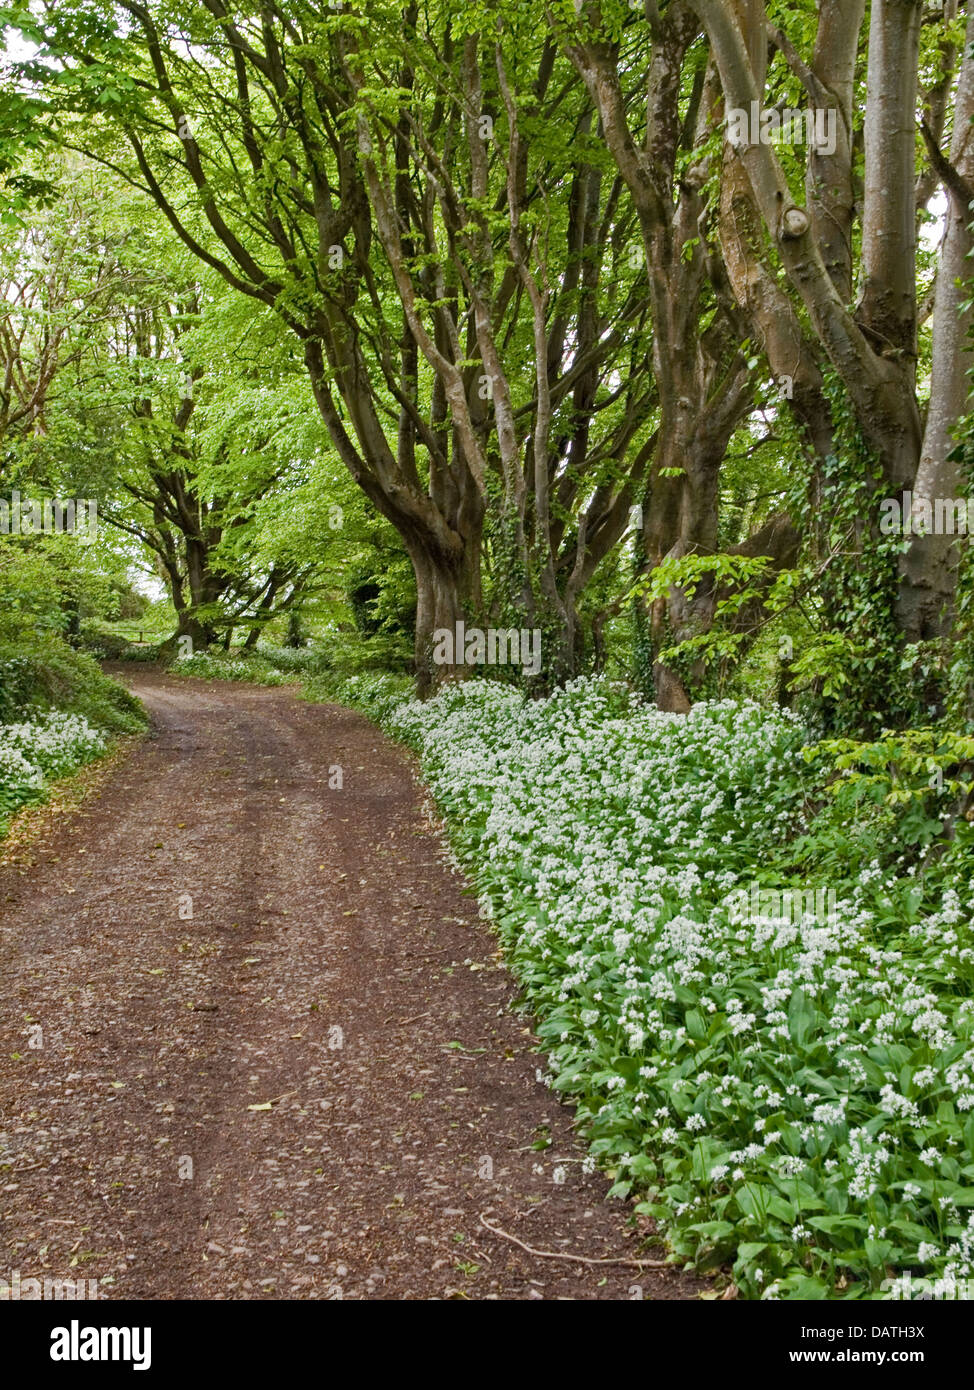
point(620, 323)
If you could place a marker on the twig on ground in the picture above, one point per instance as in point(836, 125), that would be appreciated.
point(575, 1259)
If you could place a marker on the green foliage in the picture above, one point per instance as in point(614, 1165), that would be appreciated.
point(57, 712)
point(42, 584)
point(958, 656)
point(267, 665)
point(903, 801)
point(45, 675)
point(383, 600)
point(860, 685)
point(228, 666)
point(787, 1093)
point(606, 839)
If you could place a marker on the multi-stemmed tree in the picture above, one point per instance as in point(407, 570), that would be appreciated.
point(532, 272)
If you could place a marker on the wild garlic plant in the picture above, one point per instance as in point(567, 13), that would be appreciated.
point(39, 750)
point(789, 1094)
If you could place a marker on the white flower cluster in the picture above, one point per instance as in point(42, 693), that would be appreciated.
point(605, 838)
point(206, 666)
point(36, 751)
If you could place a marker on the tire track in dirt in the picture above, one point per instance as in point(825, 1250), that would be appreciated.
point(333, 970)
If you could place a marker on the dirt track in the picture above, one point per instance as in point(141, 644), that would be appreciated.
point(332, 974)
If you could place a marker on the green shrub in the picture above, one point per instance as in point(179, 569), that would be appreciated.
point(46, 674)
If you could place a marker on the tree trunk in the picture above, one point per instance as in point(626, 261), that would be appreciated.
point(204, 590)
point(295, 632)
point(439, 606)
point(929, 568)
